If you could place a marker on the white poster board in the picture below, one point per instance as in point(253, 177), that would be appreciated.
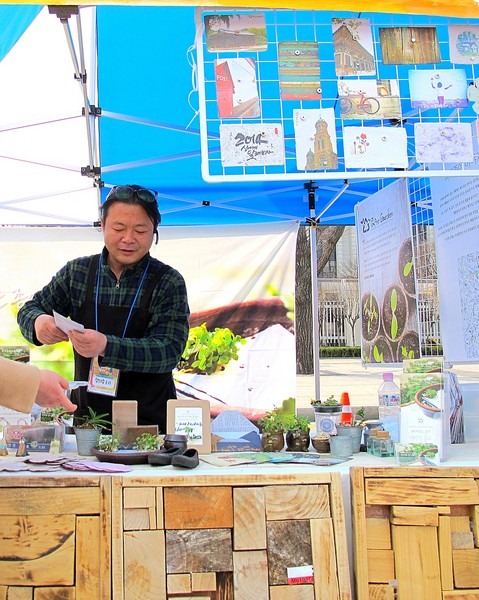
point(389, 322)
point(455, 203)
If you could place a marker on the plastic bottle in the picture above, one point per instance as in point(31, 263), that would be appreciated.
point(389, 398)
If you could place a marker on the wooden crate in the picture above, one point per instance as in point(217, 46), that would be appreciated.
point(228, 537)
point(56, 537)
point(416, 533)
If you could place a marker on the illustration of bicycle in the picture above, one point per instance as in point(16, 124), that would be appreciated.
point(366, 104)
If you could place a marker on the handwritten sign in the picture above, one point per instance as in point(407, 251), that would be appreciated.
point(191, 418)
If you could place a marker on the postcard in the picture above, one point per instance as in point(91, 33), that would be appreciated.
point(369, 99)
point(409, 45)
point(375, 147)
point(432, 88)
point(353, 47)
point(236, 32)
point(299, 70)
point(315, 136)
point(464, 44)
point(443, 142)
point(252, 144)
point(236, 89)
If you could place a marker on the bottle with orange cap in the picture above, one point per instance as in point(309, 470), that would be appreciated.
point(346, 413)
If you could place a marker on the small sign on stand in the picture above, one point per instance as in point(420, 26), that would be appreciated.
point(190, 418)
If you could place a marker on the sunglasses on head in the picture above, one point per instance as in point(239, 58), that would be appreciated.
point(125, 192)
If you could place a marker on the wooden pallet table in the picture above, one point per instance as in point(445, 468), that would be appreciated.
point(225, 537)
point(56, 538)
point(416, 533)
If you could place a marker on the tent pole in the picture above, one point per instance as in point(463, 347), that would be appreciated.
point(314, 283)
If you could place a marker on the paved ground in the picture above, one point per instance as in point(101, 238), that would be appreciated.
point(348, 375)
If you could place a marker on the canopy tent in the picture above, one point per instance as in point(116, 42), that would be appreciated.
point(141, 123)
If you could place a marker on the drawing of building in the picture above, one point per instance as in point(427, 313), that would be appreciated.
point(322, 156)
point(350, 57)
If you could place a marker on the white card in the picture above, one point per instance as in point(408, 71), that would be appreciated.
point(375, 147)
point(443, 142)
point(252, 144)
point(66, 324)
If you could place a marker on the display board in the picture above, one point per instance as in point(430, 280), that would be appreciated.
point(298, 95)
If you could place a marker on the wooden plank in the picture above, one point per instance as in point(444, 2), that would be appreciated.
point(461, 595)
point(289, 545)
point(421, 472)
point(105, 537)
point(326, 586)
point(359, 533)
point(462, 540)
point(20, 593)
point(466, 568)
point(224, 587)
point(31, 537)
point(250, 574)
point(249, 531)
point(3, 592)
point(53, 593)
point(136, 519)
point(144, 562)
point(445, 553)
point(179, 583)
point(378, 534)
point(87, 558)
point(160, 519)
point(139, 497)
point(297, 502)
point(117, 555)
point(55, 567)
point(424, 516)
point(198, 507)
point(291, 592)
point(199, 551)
point(416, 562)
point(461, 523)
point(380, 566)
point(71, 501)
point(381, 592)
point(340, 537)
point(203, 582)
point(420, 491)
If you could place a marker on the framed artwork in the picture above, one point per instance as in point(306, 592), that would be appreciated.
point(190, 418)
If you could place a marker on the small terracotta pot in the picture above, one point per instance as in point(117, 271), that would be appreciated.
point(272, 442)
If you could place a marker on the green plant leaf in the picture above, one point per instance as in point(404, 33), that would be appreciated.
point(394, 299)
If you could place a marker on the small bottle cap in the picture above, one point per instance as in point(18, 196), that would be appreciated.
point(387, 376)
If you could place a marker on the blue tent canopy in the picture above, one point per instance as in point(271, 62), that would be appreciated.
point(146, 120)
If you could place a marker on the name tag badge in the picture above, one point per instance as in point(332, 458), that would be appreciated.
point(103, 380)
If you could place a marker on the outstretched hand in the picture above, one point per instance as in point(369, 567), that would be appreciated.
point(51, 391)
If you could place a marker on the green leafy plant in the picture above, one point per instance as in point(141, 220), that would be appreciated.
point(300, 422)
point(51, 414)
point(207, 351)
point(147, 441)
point(108, 443)
point(360, 416)
point(394, 321)
point(272, 422)
point(93, 420)
point(330, 401)
point(370, 312)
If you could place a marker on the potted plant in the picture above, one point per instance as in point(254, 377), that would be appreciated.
point(272, 431)
point(88, 429)
point(355, 430)
point(326, 414)
point(297, 433)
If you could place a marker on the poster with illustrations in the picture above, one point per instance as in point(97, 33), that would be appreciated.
point(298, 64)
point(409, 45)
point(464, 44)
point(375, 147)
point(353, 47)
point(236, 32)
point(236, 88)
point(252, 144)
point(455, 204)
point(445, 88)
point(369, 99)
point(443, 142)
point(387, 280)
point(315, 137)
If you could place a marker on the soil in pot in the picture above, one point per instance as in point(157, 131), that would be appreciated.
point(394, 312)
point(370, 316)
point(406, 268)
point(382, 351)
point(408, 346)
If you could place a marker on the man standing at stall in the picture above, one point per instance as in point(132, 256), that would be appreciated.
point(134, 309)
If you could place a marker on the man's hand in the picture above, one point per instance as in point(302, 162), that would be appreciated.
point(47, 332)
point(51, 391)
point(88, 343)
